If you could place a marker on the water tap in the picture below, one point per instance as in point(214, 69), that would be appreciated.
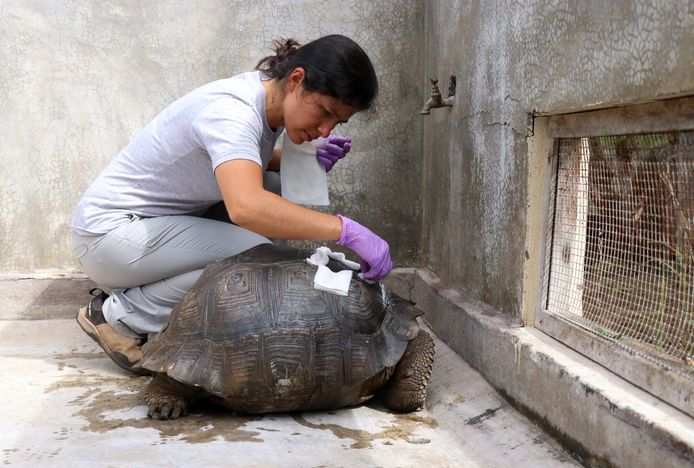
point(436, 100)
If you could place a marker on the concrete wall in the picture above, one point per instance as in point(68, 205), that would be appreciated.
point(512, 59)
point(80, 78)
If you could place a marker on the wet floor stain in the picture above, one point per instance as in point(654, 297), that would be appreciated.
point(29, 456)
point(103, 396)
point(62, 434)
point(68, 356)
point(403, 428)
point(8, 455)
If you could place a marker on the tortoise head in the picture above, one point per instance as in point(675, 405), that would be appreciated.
point(404, 314)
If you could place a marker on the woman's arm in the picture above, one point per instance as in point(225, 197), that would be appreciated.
point(250, 206)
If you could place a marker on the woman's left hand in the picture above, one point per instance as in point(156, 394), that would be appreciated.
point(332, 149)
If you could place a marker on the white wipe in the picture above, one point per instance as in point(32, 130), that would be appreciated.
point(304, 180)
point(335, 282)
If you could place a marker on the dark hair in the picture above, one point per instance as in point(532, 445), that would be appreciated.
point(334, 65)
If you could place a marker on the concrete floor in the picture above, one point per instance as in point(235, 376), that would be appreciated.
point(66, 404)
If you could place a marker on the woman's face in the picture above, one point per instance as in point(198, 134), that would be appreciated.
point(309, 115)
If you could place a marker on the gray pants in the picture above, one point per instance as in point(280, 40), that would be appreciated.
point(150, 263)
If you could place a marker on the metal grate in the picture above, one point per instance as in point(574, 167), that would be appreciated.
point(621, 263)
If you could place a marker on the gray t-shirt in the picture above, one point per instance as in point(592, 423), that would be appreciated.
point(168, 169)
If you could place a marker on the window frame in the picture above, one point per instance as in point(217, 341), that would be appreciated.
point(649, 373)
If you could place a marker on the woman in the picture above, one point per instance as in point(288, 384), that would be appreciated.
point(141, 228)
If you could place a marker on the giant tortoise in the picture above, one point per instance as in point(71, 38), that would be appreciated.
point(254, 335)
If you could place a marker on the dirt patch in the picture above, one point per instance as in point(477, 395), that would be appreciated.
point(404, 428)
point(489, 413)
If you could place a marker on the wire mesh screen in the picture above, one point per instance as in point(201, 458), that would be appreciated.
point(621, 263)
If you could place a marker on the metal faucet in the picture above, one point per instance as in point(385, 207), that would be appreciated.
point(435, 100)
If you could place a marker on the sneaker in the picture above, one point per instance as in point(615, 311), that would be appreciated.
point(123, 350)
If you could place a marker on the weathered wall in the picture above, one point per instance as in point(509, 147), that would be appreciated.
point(80, 78)
point(512, 59)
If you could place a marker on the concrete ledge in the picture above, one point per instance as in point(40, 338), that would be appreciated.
point(49, 295)
point(599, 417)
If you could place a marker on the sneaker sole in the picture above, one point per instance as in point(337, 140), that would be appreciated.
point(90, 329)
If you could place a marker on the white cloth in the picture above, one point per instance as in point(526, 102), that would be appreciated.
point(168, 168)
point(304, 180)
point(335, 282)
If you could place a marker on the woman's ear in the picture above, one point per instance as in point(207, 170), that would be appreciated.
point(295, 78)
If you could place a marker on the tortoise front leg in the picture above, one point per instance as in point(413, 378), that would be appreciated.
point(406, 389)
point(166, 398)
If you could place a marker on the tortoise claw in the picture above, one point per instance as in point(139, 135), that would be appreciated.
point(178, 411)
point(165, 411)
point(166, 407)
point(164, 399)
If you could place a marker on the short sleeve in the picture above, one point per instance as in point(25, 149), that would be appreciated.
point(228, 129)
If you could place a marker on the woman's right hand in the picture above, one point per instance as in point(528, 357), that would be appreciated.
point(373, 251)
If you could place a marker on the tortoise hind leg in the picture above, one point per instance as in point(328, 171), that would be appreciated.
point(166, 398)
point(406, 389)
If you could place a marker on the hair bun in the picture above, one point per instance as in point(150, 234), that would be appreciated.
point(284, 48)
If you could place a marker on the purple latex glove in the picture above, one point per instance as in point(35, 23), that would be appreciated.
point(373, 251)
point(332, 149)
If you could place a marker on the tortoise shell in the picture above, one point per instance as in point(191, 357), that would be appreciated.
point(255, 332)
